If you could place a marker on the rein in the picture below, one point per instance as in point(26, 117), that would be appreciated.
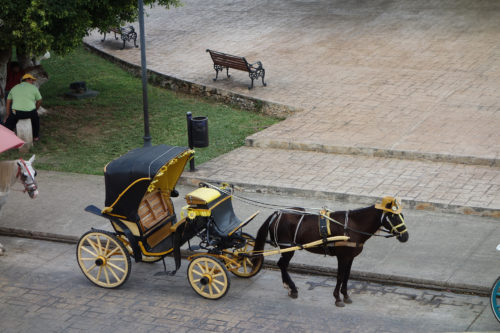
point(321, 212)
point(263, 204)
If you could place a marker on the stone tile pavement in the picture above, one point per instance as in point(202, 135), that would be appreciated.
point(43, 290)
point(470, 189)
point(414, 80)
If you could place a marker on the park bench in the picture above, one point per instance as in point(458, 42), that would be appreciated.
point(223, 60)
point(127, 34)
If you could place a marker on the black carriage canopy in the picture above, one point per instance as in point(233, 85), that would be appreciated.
point(141, 171)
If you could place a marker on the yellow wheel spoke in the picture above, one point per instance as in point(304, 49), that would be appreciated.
point(91, 268)
point(201, 267)
point(93, 245)
point(210, 290)
point(112, 252)
point(107, 247)
point(99, 246)
point(220, 283)
point(85, 259)
point(99, 273)
point(206, 266)
point(116, 259)
point(87, 250)
point(196, 281)
point(197, 273)
point(113, 273)
point(245, 266)
point(216, 288)
point(106, 274)
point(217, 275)
point(116, 267)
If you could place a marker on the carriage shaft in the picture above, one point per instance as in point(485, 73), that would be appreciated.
point(305, 246)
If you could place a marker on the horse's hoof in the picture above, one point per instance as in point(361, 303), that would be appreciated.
point(293, 294)
point(339, 304)
point(347, 300)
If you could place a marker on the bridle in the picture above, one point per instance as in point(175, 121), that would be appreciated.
point(24, 173)
point(394, 228)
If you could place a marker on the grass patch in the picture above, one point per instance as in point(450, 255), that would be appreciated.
point(84, 135)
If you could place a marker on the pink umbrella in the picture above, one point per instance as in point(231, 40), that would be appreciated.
point(8, 139)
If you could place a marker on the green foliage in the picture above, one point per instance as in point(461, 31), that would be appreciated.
point(35, 26)
point(84, 135)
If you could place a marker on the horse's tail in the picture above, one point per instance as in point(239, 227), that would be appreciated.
point(262, 233)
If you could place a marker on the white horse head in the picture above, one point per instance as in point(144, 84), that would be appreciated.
point(8, 176)
point(26, 174)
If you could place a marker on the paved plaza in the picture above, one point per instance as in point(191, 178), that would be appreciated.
point(413, 80)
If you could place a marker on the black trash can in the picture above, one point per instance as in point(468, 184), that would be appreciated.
point(199, 132)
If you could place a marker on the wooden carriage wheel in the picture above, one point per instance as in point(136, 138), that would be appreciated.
point(248, 267)
point(103, 258)
point(208, 277)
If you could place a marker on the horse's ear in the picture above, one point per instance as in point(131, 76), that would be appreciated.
point(32, 159)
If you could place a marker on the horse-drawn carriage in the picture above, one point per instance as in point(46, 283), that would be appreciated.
point(139, 187)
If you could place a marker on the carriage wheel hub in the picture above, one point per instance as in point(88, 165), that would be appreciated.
point(206, 279)
point(100, 261)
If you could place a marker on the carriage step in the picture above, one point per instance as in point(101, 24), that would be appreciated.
point(194, 247)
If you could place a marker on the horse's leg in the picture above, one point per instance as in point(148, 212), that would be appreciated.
point(342, 264)
point(287, 280)
point(343, 289)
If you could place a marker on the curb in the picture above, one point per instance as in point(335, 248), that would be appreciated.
point(193, 180)
point(296, 268)
point(220, 95)
point(372, 152)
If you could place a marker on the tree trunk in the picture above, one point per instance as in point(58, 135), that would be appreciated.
point(4, 59)
point(24, 59)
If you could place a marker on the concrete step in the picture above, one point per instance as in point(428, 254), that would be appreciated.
point(370, 151)
point(442, 186)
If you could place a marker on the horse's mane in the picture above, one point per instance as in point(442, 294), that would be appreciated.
point(356, 211)
point(7, 175)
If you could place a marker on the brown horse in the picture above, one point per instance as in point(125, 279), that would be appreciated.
point(292, 227)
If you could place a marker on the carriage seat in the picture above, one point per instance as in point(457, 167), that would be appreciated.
point(154, 208)
point(218, 205)
point(225, 220)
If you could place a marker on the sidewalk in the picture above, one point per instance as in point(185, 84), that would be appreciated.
point(445, 251)
point(435, 186)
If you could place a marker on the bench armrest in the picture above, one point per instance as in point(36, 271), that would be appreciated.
point(256, 63)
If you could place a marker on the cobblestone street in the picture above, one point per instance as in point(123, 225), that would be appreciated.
point(43, 290)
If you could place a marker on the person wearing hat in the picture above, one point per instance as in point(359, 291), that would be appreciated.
point(23, 102)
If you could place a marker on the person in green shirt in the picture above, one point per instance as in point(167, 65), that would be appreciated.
point(23, 102)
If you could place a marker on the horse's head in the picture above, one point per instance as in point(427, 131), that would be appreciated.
point(27, 175)
point(392, 218)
